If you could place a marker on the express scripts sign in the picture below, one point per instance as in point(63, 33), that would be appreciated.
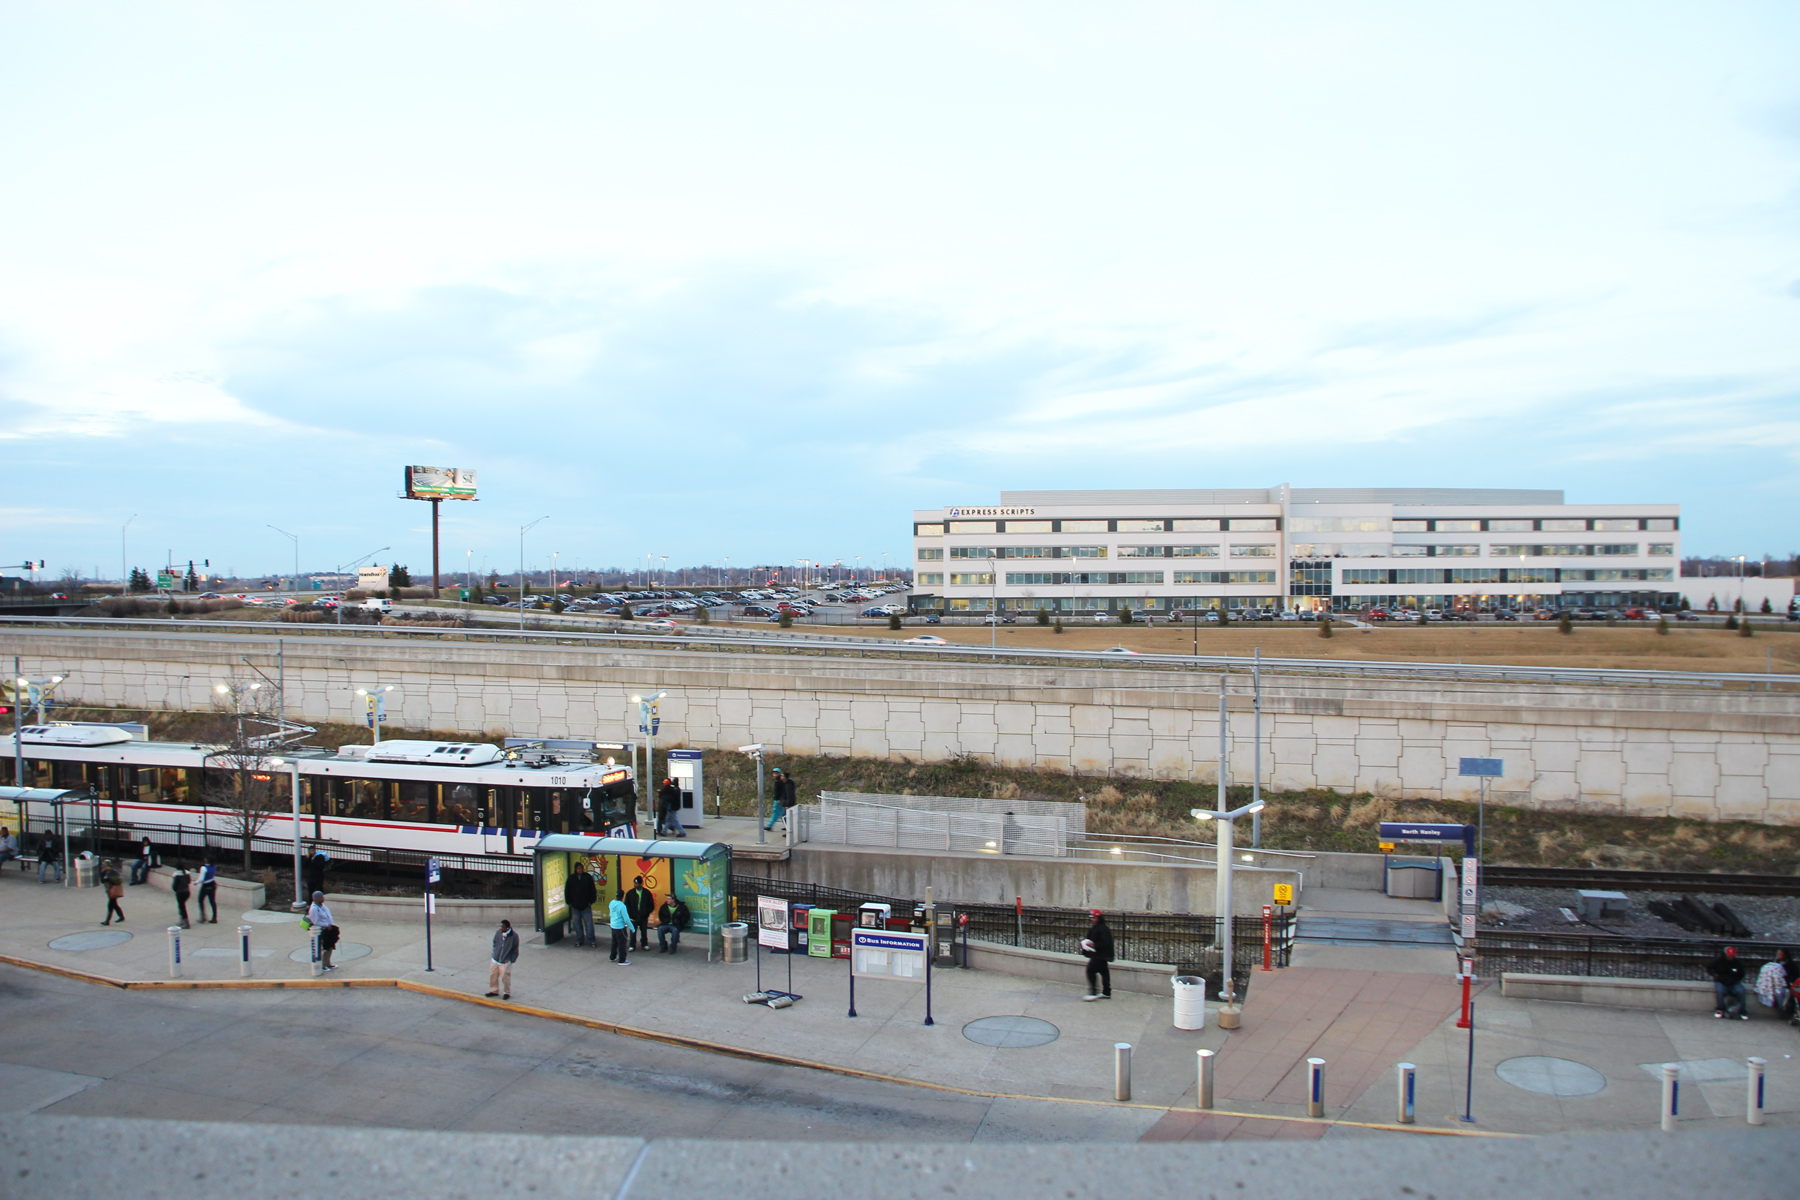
point(957, 513)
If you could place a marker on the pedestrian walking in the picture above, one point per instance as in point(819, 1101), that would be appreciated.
point(179, 887)
point(618, 919)
point(146, 858)
point(320, 918)
point(114, 884)
point(50, 855)
point(639, 904)
point(209, 890)
point(671, 919)
point(1728, 984)
point(668, 809)
point(506, 953)
point(1098, 947)
point(785, 796)
point(579, 894)
point(314, 872)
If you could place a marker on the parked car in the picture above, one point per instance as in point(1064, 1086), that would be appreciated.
point(926, 639)
point(1505, 614)
point(1212, 616)
point(1118, 650)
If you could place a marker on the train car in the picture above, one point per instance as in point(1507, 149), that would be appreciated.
point(468, 798)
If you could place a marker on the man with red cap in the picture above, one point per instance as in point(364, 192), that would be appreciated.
point(1098, 947)
point(1728, 985)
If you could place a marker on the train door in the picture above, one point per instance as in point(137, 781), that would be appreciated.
point(500, 835)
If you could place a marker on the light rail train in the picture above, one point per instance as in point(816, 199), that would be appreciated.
point(467, 798)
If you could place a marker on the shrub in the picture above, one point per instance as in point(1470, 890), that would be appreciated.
point(893, 620)
point(556, 606)
point(173, 608)
point(1662, 626)
point(786, 620)
point(1124, 616)
point(703, 615)
point(1731, 622)
point(625, 612)
point(1744, 628)
point(1043, 617)
point(1423, 620)
point(1058, 625)
point(1767, 607)
point(1565, 624)
point(476, 594)
point(1324, 627)
point(357, 594)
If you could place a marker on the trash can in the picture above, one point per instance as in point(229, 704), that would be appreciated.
point(87, 871)
point(737, 941)
point(1190, 1002)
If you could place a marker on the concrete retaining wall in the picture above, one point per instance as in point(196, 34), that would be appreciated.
point(1703, 753)
point(1679, 995)
point(1151, 979)
point(346, 907)
point(991, 879)
point(235, 896)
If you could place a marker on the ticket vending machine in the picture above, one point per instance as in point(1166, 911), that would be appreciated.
point(684, 769)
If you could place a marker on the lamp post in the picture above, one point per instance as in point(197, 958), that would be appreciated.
point(296, 540)
point(648, 723)
point(124, 558)
point(1223, 818)
point(342, 569)
point(523, 530)
point(377, 702)
point(469, 571)
point(993, 607)
point(294, 765)
point(553, 555)
point(1742, 613)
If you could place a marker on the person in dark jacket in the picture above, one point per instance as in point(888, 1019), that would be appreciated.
point(668, 808)
point(114, 883)
point(580, 894)
point(639, 904)
point(146, 858)
point(1098, 947)
point(179, 888)
point(50, 855)
point(1728, 984)
point(506, 953)
point(314, 872)
point(671, 919)
point(786, 796)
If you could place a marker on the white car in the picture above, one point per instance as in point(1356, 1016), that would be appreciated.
point(1118, 650)
point(664, 626)
point(926, 639)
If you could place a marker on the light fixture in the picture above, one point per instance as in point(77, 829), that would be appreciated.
point(1249, 858)
point(221, 688)
point(991, 845)
point(1200, 814)
point(1116, 850)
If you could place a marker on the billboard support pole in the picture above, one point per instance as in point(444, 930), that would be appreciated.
point(436, 503)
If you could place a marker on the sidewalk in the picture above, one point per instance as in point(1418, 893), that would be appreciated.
point(1360, 1020)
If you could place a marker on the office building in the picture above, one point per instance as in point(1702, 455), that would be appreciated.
point(1312, 549)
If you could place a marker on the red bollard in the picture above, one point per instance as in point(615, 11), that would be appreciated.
point(1268, 937)
point(1468, 978)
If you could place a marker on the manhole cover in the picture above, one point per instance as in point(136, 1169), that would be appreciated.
point(1551, 1076)
point(93, 939)
point(1011, 1033)
point(262, 916)
point(344, 953)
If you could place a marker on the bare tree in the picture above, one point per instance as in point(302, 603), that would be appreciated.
point(239, 777)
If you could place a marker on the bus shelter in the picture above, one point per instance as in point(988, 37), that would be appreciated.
point(58, 809)
point(699, 873)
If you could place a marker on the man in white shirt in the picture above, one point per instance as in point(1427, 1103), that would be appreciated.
point(320, 917)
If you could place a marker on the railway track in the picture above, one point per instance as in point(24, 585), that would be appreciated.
point(1645, 881)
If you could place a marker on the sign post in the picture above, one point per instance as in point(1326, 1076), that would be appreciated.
point(774, 929)
point(891, 954)
point(433, 872)
point(1268, 936)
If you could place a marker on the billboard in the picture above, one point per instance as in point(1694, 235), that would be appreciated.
point(440, 483)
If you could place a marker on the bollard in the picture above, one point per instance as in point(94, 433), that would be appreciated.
point(174, 952)
point(1671, 1096)
point(318, 958)
point(1204, 1099)
point(1403, 1102)
point(1753, 1114)
point(1315, 1087)
point(244, 951)
point(1121, 1070)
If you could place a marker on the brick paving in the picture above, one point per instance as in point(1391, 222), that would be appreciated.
point(1359, 1022)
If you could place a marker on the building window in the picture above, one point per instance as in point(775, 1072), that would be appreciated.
point(1338, 524)
point(1620, 548)
point(1254, 524)
point(1456, 551)
point(1135, 526)
point(1659, 573)
point(982, 579)
point(1199, 577)
point(1338, 550)
point(972, 552)
point(1411, 551)
point(974, 527)
point(1456, 526)
point(1028, 527)
point(1250, 577)
point(1084, 552)
point(928, 531)
point(1661, 549)
point(931, 579)
point(1412, 576)
point(1366, 575)
point(1309, 579)
point(1411, 527)
point(1193, 552)
point(1254, 550)
point(931, 554)
point(1082, 527)
point(1563, 525)
point(1660, 524)
point(1026, 552)
point(1194, 526)
point(1155, 577)
point(1028, 578)
point(1511, 525)
point(1616, 525)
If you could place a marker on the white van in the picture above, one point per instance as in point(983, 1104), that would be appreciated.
point(378, 604)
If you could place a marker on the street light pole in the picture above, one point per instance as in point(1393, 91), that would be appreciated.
point(124, 558)
point(647, 723)
point(294, 765)
point(523, 530)
point(994, 607)
point(377, 707)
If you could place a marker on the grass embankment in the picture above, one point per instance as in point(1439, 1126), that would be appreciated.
point(1317, 819)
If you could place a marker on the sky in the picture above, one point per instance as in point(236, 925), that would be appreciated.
point(755, 281)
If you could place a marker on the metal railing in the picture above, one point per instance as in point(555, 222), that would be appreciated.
point(1609, 956)
point(850, 824)
point(789, 643)
point(1073, 816)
